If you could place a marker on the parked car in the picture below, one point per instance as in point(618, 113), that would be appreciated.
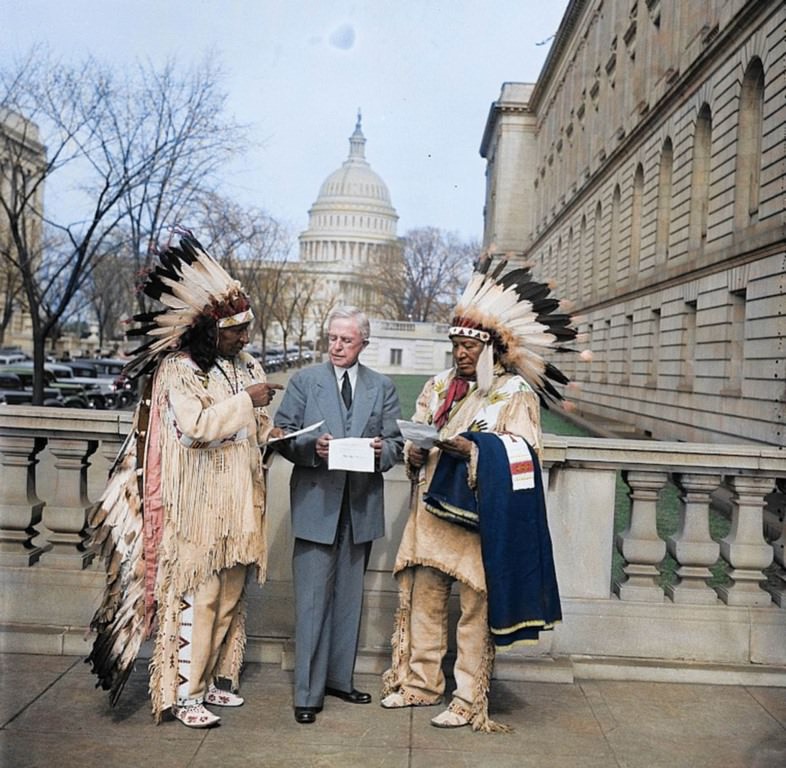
point(110, 369)
point(99, 390)
point(73, 395)
point(14, 390)
point(9, 358)
point(62, 376)
point(297, 357)
point(274, 360)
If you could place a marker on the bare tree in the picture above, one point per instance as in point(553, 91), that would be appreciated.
point(283, 309)
point(302, 295)
point(320, 310)
point(111, 292)
point(425, 282)
point(292, 308)
point(110, 143)
point(437, 266)
point(254, 247)
point(186, 130)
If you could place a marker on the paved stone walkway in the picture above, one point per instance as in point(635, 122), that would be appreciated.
point(51, 715)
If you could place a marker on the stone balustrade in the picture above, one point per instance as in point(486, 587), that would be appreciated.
point(53, 465)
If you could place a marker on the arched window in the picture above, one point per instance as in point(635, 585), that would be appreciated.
point(581, 263)
point(700, 178)
point(749, 135)
point(663, 223)
point(635, 222)
point(688, 352)
point(596, 230)
point(735, 343)
point(627, 350)
point(571, 267)
point(654, 348)
point(614, 241)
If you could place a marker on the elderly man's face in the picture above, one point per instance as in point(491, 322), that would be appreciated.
point(345, 342)
point(466, 352)
point(231, 340)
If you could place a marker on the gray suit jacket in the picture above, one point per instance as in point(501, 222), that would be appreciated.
point(316, 492)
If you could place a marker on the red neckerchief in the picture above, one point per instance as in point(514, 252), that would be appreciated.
point(457, 390)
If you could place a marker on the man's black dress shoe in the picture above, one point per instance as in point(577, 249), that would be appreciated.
point(353, 697)
point(304, 715)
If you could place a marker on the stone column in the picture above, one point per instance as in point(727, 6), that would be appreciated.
point(66, 515)
point(20, 508)
point(745, 548)
point(693, 547)
point(639, 543)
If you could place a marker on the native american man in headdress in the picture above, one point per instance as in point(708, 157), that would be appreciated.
point(183, 515)
point(478, 515)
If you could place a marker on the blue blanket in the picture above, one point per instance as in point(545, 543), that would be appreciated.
point(514, 538)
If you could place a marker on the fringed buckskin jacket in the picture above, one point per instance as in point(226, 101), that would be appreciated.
point(510, 406)
point(204, 492)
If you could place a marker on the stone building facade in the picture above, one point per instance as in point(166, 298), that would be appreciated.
point(21, 152)
point(644, 173)
point(402, 346)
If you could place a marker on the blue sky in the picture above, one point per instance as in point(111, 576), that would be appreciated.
point(423, 72)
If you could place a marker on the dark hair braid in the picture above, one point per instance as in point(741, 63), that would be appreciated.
point(201, 341)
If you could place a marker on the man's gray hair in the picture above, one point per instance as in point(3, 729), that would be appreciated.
point(352, 313)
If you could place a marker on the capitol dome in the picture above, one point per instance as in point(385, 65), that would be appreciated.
point(351, 241)
point(353, 201)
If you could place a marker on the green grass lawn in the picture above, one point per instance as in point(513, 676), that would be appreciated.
point(408, 387)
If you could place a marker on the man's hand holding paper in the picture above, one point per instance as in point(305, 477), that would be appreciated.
point(354, 454)
point(421, 435)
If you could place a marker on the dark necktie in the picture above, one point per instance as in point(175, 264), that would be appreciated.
point(346, 390)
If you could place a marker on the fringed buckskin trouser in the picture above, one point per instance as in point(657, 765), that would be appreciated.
point(429, 637)
point(214, 605)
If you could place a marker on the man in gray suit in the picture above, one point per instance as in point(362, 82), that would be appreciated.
point(336, 514)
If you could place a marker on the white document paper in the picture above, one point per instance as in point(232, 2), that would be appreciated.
point(422, 435)
point(354, 454)
point(303, 431)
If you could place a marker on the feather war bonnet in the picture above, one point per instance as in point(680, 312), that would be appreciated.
point(190, 284)
point(520, 324)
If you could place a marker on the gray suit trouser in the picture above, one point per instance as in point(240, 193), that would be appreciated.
point(328, 583)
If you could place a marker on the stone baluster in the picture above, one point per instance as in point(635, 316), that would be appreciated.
point(693, 547)
point(776, 503)
point(110, 448)
point(745, 548)
point(639, 543)
point(98, 473)
point(107, 451)
point(20, 508)
point(66, 515)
